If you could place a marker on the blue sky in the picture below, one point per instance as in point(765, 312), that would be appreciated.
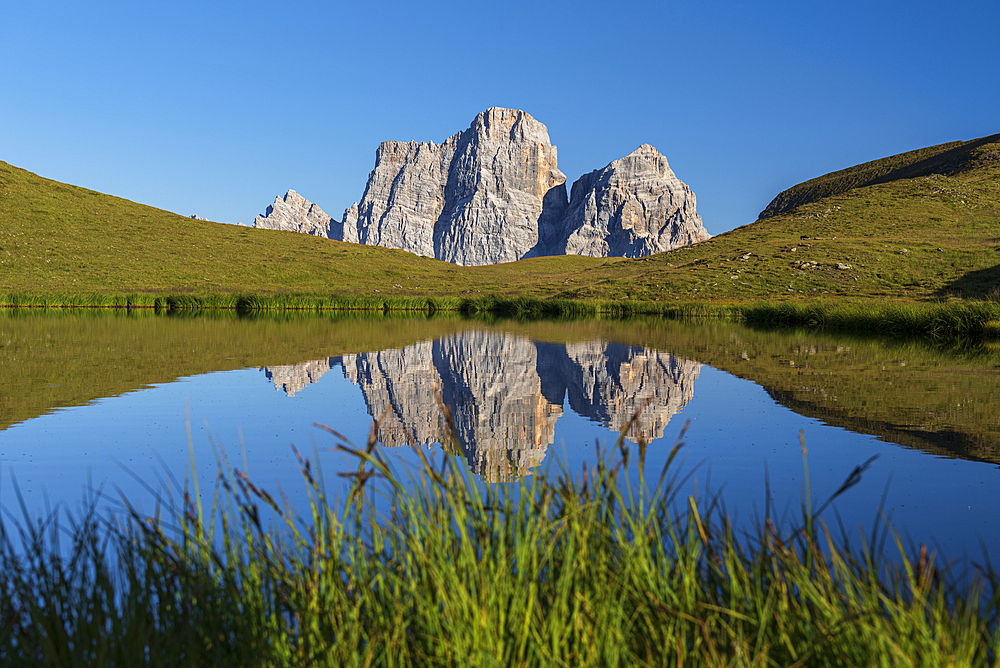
point(213, 108)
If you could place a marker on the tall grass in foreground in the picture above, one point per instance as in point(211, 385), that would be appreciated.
point(433, 569)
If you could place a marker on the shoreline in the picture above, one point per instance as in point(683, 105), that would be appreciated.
point(962, 318)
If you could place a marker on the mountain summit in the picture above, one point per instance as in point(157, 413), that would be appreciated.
point(494, 193)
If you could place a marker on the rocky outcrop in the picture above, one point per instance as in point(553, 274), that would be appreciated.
point(295, 213)
point(487, 195)
point(505, 193)
point(634, 207)
point(347, 228)
point(405, 195)
point(494, 193)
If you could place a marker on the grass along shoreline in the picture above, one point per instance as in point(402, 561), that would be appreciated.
point(489, 304)
point(563, 568)
point(955, 318)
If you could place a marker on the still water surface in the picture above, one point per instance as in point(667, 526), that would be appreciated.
point(106, 400)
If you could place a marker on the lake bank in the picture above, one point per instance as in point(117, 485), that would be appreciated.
point(952, 318)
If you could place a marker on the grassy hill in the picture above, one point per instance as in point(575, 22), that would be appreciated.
point(929, 237)
point(949, 159)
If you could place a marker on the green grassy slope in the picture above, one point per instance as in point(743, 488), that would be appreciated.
point(59, 238)
point(928, 237)
point(911, 239)
point(950, 158)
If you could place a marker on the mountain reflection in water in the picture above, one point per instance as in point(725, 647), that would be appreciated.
point(506, 392)
point(85, 392)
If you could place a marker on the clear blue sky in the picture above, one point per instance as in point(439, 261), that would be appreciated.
point(213, 108)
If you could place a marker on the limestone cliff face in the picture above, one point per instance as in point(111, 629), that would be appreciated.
point(494, 193)
point(634, 207)
point(505, 192)
point(405, 195)
point(484, 196)
point(347, 228)
point(295, 213)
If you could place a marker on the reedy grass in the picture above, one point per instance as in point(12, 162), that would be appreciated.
point(81, 300)
point(969, 318)
point(977, 318)
point(433, 568)
point(252, 303)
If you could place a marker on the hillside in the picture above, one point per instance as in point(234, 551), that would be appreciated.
point(949, 159)
point(925, 238)
point(58, 239)
point(911, 239)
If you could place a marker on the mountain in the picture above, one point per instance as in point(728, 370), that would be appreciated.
point(634, 207)
point(494, 193)
point(923, 238)
point(295, 213)
point(487, 195)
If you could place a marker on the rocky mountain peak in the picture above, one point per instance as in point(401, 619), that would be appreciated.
point(498, 123)
point(295, 213)
point(494, 193)
point(636, 206)
point(480, 197)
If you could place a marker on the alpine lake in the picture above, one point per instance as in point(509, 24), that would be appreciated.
point(117, 405)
